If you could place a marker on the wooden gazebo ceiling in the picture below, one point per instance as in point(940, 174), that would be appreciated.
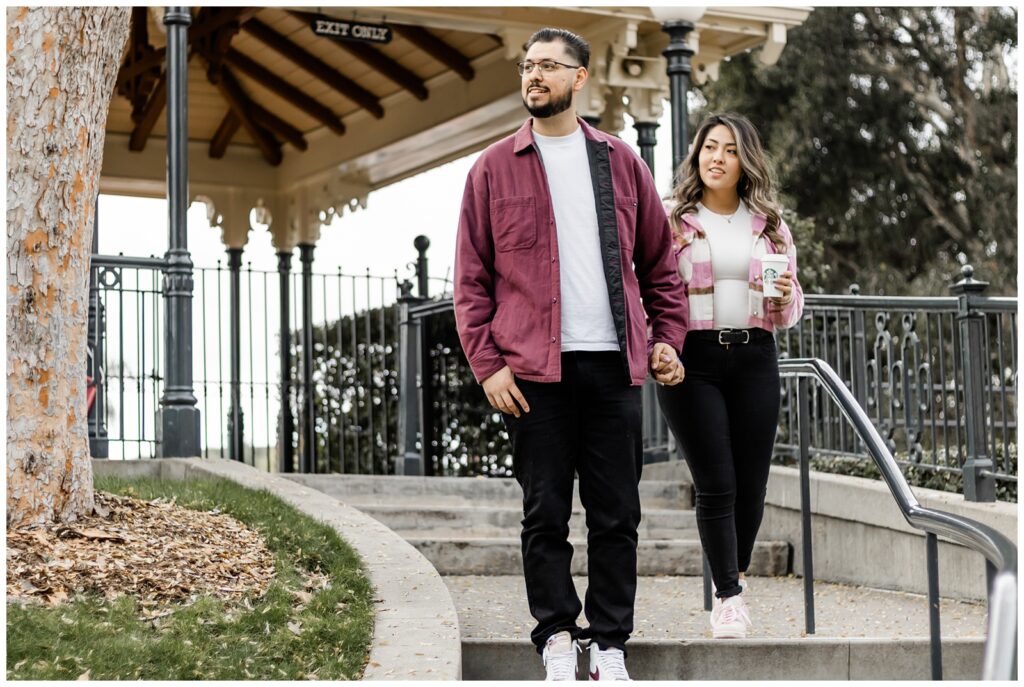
point(260, 76)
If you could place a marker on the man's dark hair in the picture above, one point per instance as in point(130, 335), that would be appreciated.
point(576, 46)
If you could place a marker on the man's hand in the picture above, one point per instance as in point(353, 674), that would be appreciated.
point(665, 365)
point(503, 394)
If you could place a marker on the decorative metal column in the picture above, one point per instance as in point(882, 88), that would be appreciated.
point(979, 483)
point(235, 420)
point(422, 243)
point(286, 421)
point(646, 139)
point(409, 461)
point(678, 54)
point(425, 363)
point(178, 422)
point(99, 446)
point(307, 438)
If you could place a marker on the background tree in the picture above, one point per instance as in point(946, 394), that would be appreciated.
point(895, 132)
point(61, 66)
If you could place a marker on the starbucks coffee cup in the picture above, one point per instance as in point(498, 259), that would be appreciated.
point(772, 265)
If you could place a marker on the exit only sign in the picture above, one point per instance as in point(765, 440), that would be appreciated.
point(351, 30)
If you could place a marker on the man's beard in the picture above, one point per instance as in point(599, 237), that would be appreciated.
point(554, 106)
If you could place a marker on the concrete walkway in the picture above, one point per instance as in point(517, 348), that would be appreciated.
point(672, 608)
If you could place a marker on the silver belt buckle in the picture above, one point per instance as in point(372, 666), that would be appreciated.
point(747, 332)
point(720, 333)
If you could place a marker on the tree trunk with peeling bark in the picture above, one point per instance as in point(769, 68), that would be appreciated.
point(61, 67)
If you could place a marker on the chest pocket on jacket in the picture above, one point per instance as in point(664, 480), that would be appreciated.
point(625, 215)
point(514, 222)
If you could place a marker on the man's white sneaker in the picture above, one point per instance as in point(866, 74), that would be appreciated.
point(607, 664)
point(730, 618)
point(560, 656)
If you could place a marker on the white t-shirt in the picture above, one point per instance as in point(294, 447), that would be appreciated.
point(731, 241)
point(587, 323)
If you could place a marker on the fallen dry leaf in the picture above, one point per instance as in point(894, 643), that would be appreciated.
point(156, 552)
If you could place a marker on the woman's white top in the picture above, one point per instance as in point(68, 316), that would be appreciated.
point(730, 238)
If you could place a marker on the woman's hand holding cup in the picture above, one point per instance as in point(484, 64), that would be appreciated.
point(784, 283)
point(776, 278)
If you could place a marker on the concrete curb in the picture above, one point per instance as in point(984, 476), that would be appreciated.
point(811, 658)
point(416, 627)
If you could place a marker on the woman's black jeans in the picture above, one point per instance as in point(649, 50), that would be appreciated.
point(724, 415)
point(587, 424)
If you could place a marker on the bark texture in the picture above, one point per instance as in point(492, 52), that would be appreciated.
point(61, 67)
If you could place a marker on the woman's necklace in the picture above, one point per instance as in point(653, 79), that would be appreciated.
point(727, 218)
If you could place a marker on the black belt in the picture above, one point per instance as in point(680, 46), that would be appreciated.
point(727, 337)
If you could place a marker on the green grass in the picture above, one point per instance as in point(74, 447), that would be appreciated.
point(211, 639)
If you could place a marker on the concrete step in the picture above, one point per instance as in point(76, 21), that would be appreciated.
point(357, 490)
point(861, 633)
point(577, 533)
point(503, 556)
point(507, 522)
point(744, 659)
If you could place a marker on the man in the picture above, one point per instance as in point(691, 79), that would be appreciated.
point(561, 234)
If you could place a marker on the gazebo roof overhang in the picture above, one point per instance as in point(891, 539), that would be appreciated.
point(307, 126)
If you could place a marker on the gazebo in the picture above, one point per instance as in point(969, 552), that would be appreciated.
point(293, 116)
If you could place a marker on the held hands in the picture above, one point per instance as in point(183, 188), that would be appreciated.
point(503, 394)
point(665, 365)
point(784, 283)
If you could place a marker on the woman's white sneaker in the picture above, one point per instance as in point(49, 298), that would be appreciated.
point(560, 657)
point(607, 664)
point(730, 618)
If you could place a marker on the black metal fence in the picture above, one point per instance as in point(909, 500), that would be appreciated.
point(125, 355)
point(354, 364)
point(355, 375)
point(903, 359)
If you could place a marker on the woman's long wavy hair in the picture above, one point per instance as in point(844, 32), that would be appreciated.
point(756, 186)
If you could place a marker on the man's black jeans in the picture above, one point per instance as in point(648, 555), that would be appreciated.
point(589, 423)
point(724, 415)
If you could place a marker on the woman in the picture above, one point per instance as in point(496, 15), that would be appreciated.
point(724, 414)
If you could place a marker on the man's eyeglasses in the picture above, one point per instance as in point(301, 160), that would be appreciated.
point(545, 67)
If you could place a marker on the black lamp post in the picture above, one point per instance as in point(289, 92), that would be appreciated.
point(678, 22)
point(178, 424)
point(646, 139)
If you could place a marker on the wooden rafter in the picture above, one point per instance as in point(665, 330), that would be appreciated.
point(219, 19)
point(143, 64)
point(437, 48)
point(377, 61)
point(227, 129)
point(271, 121)
point(150, 114)
point(206, 23)
point(296, 97)
point(138, 88)
point(241, 105)
point(315, 66)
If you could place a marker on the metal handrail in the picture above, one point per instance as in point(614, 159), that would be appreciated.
point(829, 300)
point(1000, 553)
point(923, 303)
point(128, 261)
